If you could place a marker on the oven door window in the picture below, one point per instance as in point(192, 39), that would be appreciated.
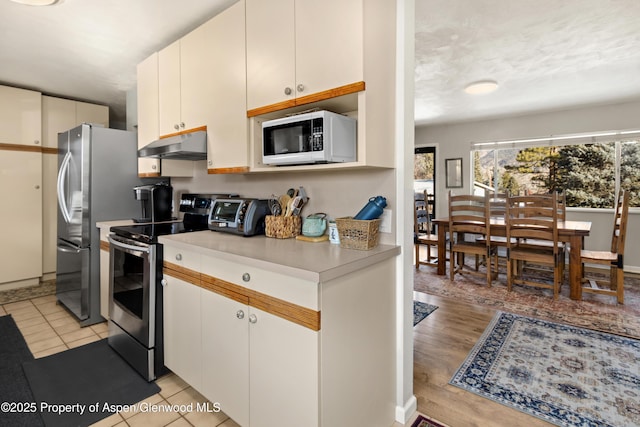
point(129, 282)
point(132, 284)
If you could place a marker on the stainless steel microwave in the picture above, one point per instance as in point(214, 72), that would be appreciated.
point(315, 137)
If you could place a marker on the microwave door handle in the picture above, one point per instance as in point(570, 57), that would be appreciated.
point(119, 244)
point(62, 197)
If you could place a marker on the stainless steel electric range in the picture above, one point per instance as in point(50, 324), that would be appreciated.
point(135, 272)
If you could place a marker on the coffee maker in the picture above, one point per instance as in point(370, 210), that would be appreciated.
point(155, 201)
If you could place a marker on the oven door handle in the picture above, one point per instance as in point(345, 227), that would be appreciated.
point(122, 245)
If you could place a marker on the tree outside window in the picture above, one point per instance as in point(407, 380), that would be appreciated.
point(588, 173)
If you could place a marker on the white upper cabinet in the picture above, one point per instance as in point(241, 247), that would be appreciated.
point(181, 73)
point(227, 126)
point(149, 121)
point(60, 115)
point(329, 47)
point(169, 90)
point(297, 48)
point(148, 124)
point(20, 116)
point(270, 52)
point(92, 113)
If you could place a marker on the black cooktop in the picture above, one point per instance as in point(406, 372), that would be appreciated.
point(149, 233)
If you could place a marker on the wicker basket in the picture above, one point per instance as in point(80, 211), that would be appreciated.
point(282, 227)
point(358, 234)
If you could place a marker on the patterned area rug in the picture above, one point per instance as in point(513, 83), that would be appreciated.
point(598, 312)
point(562, 374)
point(422, 310)
point(423, 421)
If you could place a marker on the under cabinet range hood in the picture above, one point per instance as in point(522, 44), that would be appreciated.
point(188, 146)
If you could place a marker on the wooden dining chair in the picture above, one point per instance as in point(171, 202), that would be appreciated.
point(532, 236)
point(497, 210)
point(469, 218)
point(614, 259)
point(561, 207)
point(423, 235)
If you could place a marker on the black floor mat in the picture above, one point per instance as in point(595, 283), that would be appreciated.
point(15, 395)
point(93, 377)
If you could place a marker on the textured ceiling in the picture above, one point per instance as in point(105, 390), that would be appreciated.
point(88, 49)
point(546, 54)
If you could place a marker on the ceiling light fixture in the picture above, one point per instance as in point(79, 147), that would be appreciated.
point(481, 87)
point(37, 2)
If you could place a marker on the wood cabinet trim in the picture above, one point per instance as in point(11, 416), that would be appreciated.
point(183, 132)
point(104, 246)
point(50, 150)
point(309, 99)
point(292, 312)
point(20, 147)
point(182, 273)
point(237, 169)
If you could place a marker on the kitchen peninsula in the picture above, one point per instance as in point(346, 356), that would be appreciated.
point(282, 332)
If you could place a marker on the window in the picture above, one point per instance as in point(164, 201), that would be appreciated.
point(589, 169)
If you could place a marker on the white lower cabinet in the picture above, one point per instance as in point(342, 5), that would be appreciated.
point(283, 366)
point(257, 341)
point(262, 369)
point(182, 330)
point(225, 351)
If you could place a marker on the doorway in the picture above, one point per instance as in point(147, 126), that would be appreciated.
point(424, 172)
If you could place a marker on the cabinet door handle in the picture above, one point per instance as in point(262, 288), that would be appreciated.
point(164, 282)
point(300, 88)
point(176, 127)
point(246, 277)
point(240, 314)
point(287, 91)
point(253, 318)
point(182, 125)
point(179, 257)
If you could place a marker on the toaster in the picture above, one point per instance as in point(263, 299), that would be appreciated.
point(244, 217)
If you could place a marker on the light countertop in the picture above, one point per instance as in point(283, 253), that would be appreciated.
point(317, 262)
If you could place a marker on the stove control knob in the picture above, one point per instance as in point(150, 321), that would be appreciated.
point(179, 257)
point(163, 282)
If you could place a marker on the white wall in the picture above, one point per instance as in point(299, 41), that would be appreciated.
point(336, 193)
point(454, 140)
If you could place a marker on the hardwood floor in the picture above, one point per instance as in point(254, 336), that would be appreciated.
point(441, 343)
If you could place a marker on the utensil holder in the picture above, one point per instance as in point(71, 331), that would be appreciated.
point(282, 227)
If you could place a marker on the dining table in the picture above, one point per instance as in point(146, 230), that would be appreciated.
point(571, 232)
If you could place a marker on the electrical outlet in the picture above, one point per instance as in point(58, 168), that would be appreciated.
point(385, 221)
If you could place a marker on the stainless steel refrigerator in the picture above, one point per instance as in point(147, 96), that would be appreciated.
point(97, 170)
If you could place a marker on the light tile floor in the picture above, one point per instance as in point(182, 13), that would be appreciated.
point(49, 328)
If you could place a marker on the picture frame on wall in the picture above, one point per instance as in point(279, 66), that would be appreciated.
point(453, 172)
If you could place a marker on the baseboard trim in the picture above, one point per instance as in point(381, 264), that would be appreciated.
point(404, 413)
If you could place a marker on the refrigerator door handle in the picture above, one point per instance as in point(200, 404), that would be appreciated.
point(62, 197)
point(68, 249)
